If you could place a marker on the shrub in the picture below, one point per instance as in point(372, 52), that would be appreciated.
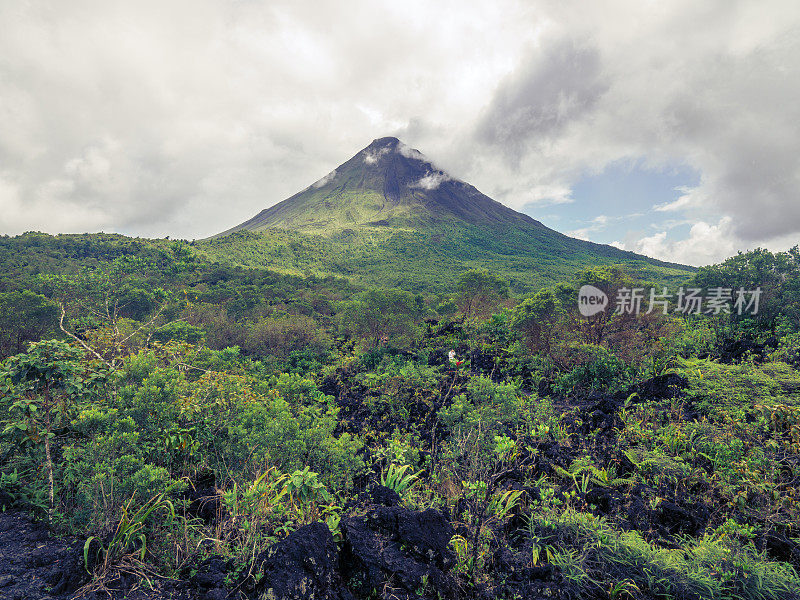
point(179, 331)
point(595, 369)
point(488, 407)
point(221, 330)
point(284, 335)
point(596, 557)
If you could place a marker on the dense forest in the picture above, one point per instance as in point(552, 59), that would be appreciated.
point(189, 427)
point(430, 261)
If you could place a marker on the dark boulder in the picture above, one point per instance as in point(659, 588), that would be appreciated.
point(671, 519)
point(204, 500)
point(545, 387)
point(36, 565)
point(520, 579)
point(209, 580)
point(661, 387)
point(733, 351)
point(304, 566)
point(601, 411)
point(400, 553)
point(384, 496)
point(779, 547)
point(600, 414)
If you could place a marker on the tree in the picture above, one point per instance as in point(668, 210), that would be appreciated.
point(778, 276)
point(102, 300)
point(537, 318)
point(43, 381)
point(625, 327)
point(609, 280)
point(25, 317)
point(478, 289)
point(380, 313)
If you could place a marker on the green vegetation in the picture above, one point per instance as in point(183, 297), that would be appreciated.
point(621, 456)
point(430, 260)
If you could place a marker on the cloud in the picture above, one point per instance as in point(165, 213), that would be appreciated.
point(690, 197)
point(372, 156)
point(325, 180)
point(431, 180)
point(183, 118)
point(558, 84)
point(598, 223)
point(410, 152)
point(708, 87)
point(706, 243)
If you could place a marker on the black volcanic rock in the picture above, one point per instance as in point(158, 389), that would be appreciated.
point(389, 547)
point(36, 565)
point(304, 566)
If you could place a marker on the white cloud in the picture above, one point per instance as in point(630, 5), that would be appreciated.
point(705, 85)
point(183, 118)
point(410, 152)
point(598, 223)
point(325, 180)
point(691, 198)
point(542, 194)
point(143, 117)
point(707, 243)
point(431, 181)
point(372, 156)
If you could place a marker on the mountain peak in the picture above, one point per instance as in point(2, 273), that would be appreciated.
point(392, 148)
point(388, 184)
point(384, 141)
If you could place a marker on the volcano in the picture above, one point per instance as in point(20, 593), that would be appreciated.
point(387, 184)
point(389, 216)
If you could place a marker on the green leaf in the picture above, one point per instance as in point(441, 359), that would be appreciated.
point(86, 546)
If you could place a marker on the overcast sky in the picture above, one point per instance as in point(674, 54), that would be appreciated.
point(668, 128)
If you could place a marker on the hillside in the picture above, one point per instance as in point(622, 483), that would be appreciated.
point(388, 216)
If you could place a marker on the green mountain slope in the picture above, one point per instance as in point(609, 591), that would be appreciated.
point(388, 216)
point(386, 185)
